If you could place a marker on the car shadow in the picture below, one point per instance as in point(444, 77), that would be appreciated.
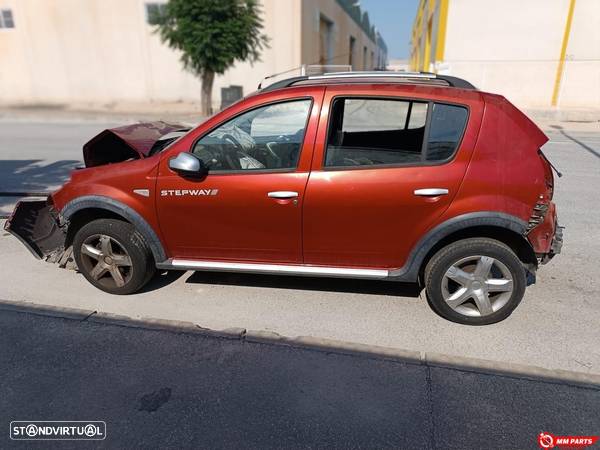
point(577, 141)
point(162, 279)
point(346, 285)
point(31, 175)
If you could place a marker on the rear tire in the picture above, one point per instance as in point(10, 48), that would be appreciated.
point(113, 256)
point(477, 281)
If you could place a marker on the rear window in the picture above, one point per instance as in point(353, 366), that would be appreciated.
point(375, 131)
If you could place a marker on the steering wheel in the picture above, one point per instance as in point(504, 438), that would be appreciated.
point(269, 151)
point(231, 155)
point(232, 140)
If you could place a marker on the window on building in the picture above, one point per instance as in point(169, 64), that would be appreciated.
point(265, 138)
point(372, 60)
point(325, 40)
point(6, 18)
point(351, 50)
point(154, 11)
point(364, 61)
point(375, 132)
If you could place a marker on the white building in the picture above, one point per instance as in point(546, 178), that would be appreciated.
point(65, 51)
point(537, 53)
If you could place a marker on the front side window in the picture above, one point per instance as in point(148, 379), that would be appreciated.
point(265, 138)
point(374, 132)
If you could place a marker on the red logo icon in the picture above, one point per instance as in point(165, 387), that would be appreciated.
point(547, 440)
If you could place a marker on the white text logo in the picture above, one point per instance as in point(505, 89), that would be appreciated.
point(192, 192)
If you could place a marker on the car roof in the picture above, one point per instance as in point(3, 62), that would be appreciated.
point(378, 77)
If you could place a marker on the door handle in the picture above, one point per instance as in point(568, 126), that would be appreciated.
point(282, 194)
point(431, 192)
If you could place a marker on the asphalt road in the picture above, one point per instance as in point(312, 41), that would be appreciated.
point(157, 389)
point(556, 326)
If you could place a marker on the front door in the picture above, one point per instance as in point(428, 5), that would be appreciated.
point(370, 196)
point(249, 206)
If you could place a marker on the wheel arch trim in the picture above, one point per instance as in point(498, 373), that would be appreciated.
point(109, 204)
point(411, 269)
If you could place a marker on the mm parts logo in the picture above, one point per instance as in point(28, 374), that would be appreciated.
point(547, 440)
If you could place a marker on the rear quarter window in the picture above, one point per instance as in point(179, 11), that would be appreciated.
point(446, 129)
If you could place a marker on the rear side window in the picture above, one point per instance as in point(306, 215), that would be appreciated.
point(367, 132)
point(375, 131)
point(447, 126)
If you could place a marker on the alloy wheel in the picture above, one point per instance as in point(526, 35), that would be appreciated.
point(106, 260)
point(477, 286)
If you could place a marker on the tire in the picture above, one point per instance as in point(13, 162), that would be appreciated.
point(458, 281)
point(104, 246)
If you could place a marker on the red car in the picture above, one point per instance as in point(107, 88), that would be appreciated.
point(409, 177)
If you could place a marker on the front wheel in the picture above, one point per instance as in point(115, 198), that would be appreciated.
point(475, 281)
point(113, 256)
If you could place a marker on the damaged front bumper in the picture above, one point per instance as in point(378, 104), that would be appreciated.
point(37, 225)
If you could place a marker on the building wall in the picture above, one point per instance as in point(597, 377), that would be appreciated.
point(65, 51)
point(343, 26)
point(513, 47)
point(104, 50)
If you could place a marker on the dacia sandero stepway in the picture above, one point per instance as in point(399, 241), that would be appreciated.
point(411, 177)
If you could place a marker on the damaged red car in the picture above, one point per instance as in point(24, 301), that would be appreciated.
point(410, 177)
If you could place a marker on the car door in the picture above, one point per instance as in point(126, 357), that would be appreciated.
point(386, 165)
point(249, 206)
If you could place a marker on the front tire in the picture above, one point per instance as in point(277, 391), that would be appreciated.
point(113, 256)
point(475, 281)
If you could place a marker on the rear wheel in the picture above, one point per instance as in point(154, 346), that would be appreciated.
point(113, 256)
point(475, 281)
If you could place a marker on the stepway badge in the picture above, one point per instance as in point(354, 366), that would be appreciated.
point(54, 430)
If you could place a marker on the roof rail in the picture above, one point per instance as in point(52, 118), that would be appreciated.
point(417, 76)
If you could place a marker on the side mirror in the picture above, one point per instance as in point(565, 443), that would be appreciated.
point(188, 164)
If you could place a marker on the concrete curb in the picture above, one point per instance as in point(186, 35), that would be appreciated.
point(175, 326)
point(339, 347)
point(61, 117)
point(512, 370)
point(505, 369)
point(46, 310)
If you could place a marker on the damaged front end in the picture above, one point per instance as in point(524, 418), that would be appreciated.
point(39, 227)
point(129, 142)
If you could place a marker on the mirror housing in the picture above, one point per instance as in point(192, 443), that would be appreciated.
point(189, 165)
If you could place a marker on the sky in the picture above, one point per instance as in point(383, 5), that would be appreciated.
point(393, 19)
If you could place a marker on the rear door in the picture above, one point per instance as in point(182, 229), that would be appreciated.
point(386, 165)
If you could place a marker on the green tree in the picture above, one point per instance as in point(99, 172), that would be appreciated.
point(212, 35)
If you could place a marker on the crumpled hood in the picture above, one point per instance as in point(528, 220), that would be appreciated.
point(134, 141)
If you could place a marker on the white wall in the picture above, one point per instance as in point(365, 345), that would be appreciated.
point(512, 47)
point(581, 77)
point(104, 51)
